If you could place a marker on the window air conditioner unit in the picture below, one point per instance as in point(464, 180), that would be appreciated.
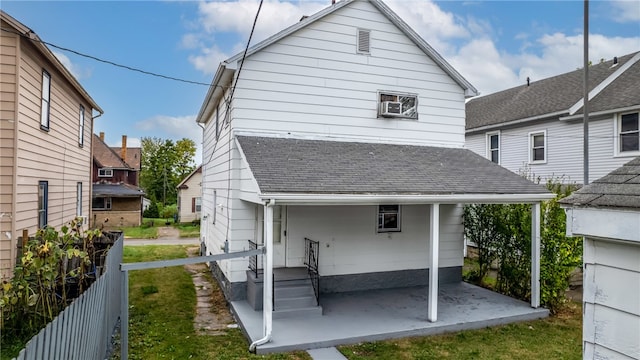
point(391, 108)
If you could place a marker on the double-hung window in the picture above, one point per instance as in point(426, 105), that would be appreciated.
point(493, 147)
point(105, 172)
point(538, 147)
point(388, 218)
point(43, 203)
point(196, 204)
point(629, 133)
point(45, 106)
point(81, 127)
point(101, 203)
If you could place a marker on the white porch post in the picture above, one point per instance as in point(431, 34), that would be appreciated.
point(267, 305)
point(434, 240)
point(535, 255)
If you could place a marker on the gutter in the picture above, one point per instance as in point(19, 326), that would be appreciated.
point(352, 199)
point(548, 116)
point(267, 296)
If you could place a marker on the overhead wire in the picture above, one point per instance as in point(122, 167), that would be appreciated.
point(109, 62)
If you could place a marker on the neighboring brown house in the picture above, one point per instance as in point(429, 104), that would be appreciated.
point(117, 199)
point(190, 196)
point(42, 106)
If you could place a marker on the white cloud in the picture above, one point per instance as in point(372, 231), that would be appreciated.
point(174, 128)
point(208, 59)
point(626, 11)
point(64, 59)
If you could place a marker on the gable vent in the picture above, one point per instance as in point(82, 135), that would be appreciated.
point(364, 42)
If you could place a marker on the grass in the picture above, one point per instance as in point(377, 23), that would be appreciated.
point(162, 306)
point(557, 337)
point(140, 232)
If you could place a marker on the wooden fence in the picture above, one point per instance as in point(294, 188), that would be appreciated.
point(83, 330)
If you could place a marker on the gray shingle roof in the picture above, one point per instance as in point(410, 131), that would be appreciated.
point(117, 190)
point(555, 94)
point(330, 167)
point(620, 188)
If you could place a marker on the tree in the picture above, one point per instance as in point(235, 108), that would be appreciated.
point(164, 165)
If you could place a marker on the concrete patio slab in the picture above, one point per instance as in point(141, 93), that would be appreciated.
point(355, 317)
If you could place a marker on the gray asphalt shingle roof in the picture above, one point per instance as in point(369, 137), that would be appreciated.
point(119, 190)
point(556, 94)
point(330, 167)
point(620, 188)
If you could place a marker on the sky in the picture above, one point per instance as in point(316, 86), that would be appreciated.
point(493, 44)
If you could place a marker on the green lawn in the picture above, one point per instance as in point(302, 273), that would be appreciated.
point(162, 305)
point(140, 232)
point(557, 337)
point(188, 230)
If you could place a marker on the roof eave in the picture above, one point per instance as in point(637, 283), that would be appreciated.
point(222, 78)
point(369, 199)
point(548, 116)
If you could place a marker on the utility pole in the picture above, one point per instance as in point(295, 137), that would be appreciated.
point(585, 106)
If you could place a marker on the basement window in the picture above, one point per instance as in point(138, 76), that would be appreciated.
point(388, 218)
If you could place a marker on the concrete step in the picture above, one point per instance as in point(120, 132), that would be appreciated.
point(294, 291)
point(295, 302)
point(300, 312)
point(279, 284)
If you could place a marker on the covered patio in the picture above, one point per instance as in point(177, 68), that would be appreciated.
point(427, 182)
point(354, 317)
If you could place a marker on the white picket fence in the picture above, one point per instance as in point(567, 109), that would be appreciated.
point(83, 330)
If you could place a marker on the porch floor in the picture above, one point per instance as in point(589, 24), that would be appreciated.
point(355, 317)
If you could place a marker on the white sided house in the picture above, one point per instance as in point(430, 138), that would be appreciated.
point(537, 128)
point(190, 197)
point(337, 146)
point(607, 214)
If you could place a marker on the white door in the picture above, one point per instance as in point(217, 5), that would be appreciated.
point(279, 233)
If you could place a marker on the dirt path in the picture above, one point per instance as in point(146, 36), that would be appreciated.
point(168, 232)
point(212, 312)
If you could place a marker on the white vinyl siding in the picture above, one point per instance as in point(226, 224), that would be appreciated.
point(611, 299)
point(186, 196)
point(564, 149)
point(312, 84)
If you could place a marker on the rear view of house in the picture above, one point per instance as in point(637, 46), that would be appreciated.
point(338, 148)
point(42, 106)
point(537, 127)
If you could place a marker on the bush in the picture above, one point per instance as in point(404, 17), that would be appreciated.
point(54, 269)
point(169, 211)
point(152, 211)
point(503, 235)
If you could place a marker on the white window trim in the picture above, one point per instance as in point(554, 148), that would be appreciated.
point(215, 206)
point(530, 149)
point(107, 203)
point(396, 93)
point(617, 119)
point(198, 204)
point(45, 106)
point(78, 199)
point(488, 145)
point(105, 172)
point(390, 230)
point(81, 127)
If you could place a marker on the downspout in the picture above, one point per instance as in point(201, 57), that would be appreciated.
point(267, 296)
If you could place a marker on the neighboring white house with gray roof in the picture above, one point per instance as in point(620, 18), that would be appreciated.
point(537, 127)
point(607, 214)
point(341, 149)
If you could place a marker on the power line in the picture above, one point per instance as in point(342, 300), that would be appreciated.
point(109, 62)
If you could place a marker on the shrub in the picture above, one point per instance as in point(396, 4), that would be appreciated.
point(52, 271)
point(152, 211)
point(503, 235)
point(169, 211)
